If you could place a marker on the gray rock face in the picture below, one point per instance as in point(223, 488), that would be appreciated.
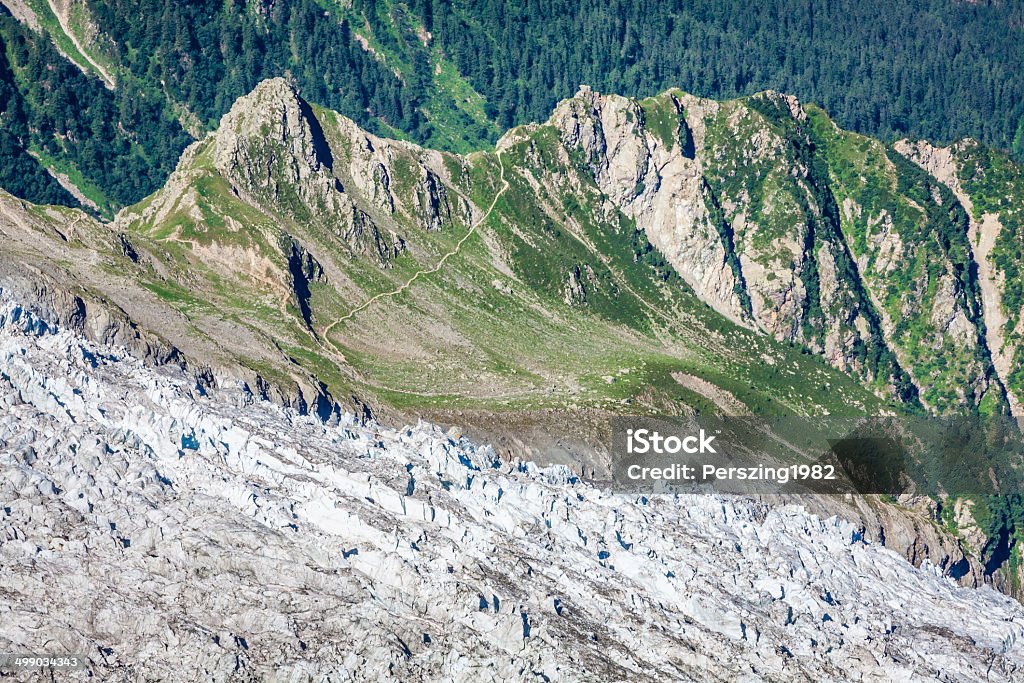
point(941, 162)
point(726, 246)
point(271, 142)
point(659, 187)
point(742, 199)
point(170, 535)
point(433, 202)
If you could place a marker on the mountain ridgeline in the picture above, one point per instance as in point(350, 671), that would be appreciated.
point(750, 243)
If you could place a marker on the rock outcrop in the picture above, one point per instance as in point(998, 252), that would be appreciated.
point(658, 186)
point(985, 229)
point(746, 203)
point(271, 145)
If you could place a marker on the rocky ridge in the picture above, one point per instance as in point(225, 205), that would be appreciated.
point(770, 214)
point(743, 198)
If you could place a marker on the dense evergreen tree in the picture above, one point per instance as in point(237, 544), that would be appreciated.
point(20, 173)
point(938, 69)
point(121, 142)
point(930, 68)
point(208, 53)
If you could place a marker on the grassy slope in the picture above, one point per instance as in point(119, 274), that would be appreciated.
point(492, 329)
point(452, 105)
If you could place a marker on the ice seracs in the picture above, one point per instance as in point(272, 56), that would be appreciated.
point(171, 535)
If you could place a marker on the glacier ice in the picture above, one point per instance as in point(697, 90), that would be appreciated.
point(172, 535)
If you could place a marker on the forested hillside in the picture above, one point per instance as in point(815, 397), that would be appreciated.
point(115, 146)
point(937, 69)
point(454, 75)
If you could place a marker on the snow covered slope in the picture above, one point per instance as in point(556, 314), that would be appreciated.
point(168, 535)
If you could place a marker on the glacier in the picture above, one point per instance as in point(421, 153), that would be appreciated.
point(169, 532)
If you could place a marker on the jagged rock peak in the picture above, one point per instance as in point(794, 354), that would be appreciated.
point(273, 102)
point(272, 127)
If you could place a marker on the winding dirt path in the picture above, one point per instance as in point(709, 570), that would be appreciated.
point(62, 19)
point(440, 264)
